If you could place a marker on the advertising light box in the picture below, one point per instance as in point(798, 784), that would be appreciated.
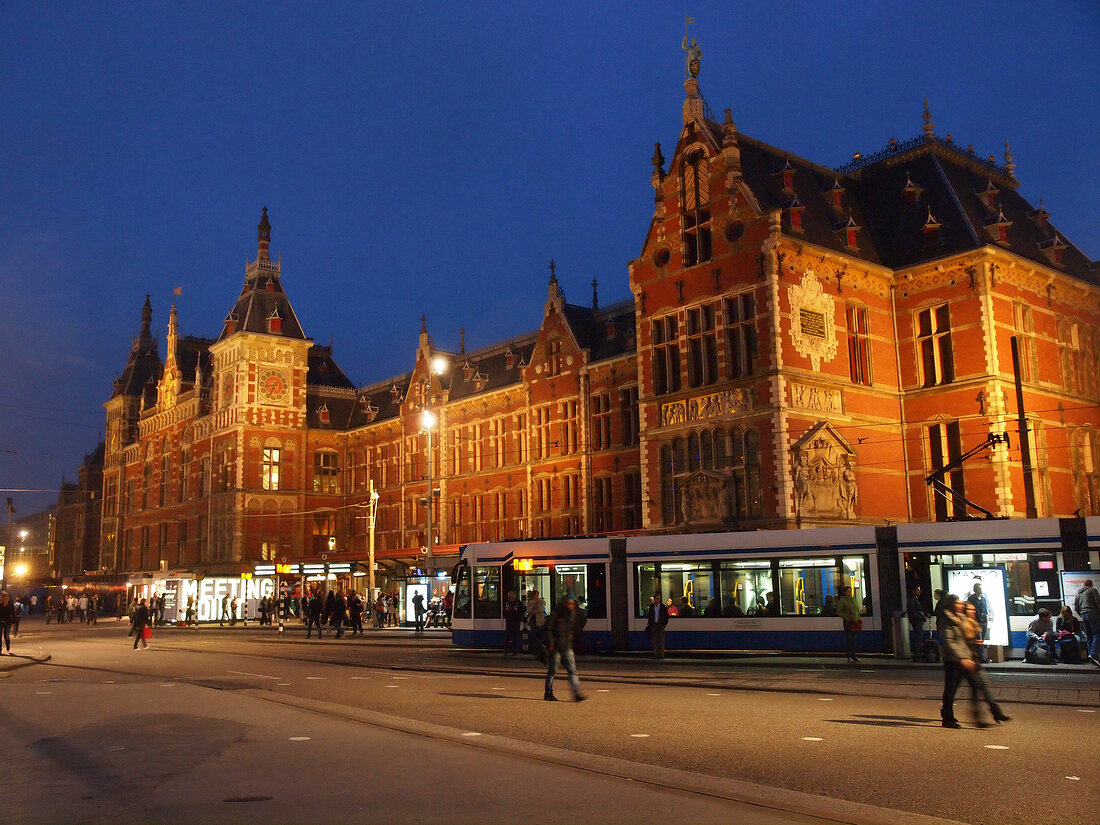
point(208, 594)
point(961, 581)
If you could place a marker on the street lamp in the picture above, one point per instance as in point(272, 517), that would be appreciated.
point(427, 422)
point(372, 514)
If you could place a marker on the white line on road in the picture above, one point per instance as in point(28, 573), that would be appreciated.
point(42, 692)
point(283, 684)
point(1074, 778)
point(714, 694)
point(396, 686)
point(603, 690)
point(500, 688)
point(821, 699)
point(812, 739)
point(997, 747)
point(315, 678)
point(639, 735)
point(299, 739)
point(1085, 710)
point(257, 675)
point(471, 733)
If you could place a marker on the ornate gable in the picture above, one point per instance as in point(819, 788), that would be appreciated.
point(825, 483)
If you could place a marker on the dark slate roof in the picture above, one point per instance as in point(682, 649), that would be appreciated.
point(324, 371)
point(190, 352)
point(603, 331)
point(261, 295)
point(489, 368)
point(379, 399)
point(340, 403)
point(891, 229)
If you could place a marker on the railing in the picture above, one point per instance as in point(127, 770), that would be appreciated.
point(904, 146)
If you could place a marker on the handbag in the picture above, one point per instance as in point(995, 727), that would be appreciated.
point(147, 633)
point(855, 626)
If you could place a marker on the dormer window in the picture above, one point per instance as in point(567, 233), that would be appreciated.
point(553, 357)
point(786, 174)
point(1054, 248)
point(322, 413)
point(274, 322)
point(468, 370)
point(1040, 217)
point(850, 230)
point(835, 193)
point(911, 192)
point(509, 359)
point(794, 212)
point(988, 194)
point(631, 340)
point(695, 207)
point(609, 329)
point(230, 324)
point(269, 285)
point(480, 381)
point(931, 230)
point(998, 227)
point(395, 393)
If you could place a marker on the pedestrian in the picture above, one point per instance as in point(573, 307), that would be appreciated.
point(34, 602)
point(380, 610)
point(393, 609)
point(18, 616)
point(849, 608)
point(514, 613)
point(140, 624)
point(563, 625)
point(1087, 604)
point(314, 610)
point(938, 612)
point(190, 616)
point(961, 662)
point(536, 618)
point(418, 610)
point(7, 619)
point(917, 617)
point(355, 613)
point(225, 610)
point(234, 609)
point(981, 608)
point(339, 614)
point(330, 605)
point(93, 608)
point(656, 622)
point(448, 606)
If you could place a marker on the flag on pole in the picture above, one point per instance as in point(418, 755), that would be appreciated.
point(688, 21)
point(178, 290)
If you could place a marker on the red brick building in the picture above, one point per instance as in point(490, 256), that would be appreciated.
point(805, 345)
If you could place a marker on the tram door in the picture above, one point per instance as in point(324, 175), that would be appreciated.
point(537, 578)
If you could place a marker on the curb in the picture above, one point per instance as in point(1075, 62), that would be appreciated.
point(27, 661)
point(820, 808)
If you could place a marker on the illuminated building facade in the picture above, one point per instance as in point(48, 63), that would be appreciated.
point(804, 346)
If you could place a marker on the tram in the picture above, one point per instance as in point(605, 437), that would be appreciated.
point(777, 590)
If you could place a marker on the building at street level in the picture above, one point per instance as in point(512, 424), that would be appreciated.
point(804, 346)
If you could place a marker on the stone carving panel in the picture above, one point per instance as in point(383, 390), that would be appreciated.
point(813, 328)
point(705, 498)
point(824, 474)
point(712, 405)
point(816, 399)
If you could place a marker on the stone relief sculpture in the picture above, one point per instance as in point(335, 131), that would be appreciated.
point(704, 497)
point(824, 475)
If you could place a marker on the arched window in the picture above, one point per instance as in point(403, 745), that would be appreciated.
point(695, 207)
point(668, 485)
point(693, 453)
point(679, 456)
point(721, 456)
point(706, 447)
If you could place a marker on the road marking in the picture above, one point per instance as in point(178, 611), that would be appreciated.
point(315, 678)
point(1085, 710)
point(997, 747)
point(283, 684)
point(257, 675)
point(812, 739)
point(1074, 778)
point(399, 677)
point(118, 748)
point(821, 699)
point(500, 688)
point(299, 739)
point(360, 678)
point(603, 690)
point(167, 684)
point(866, 671)
point(42, 692)
point(714, 694)
point(109, 682)
point(396, 686)
point(471, 733)
point(639, 735)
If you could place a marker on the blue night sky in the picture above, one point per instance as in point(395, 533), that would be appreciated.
point(433, 157)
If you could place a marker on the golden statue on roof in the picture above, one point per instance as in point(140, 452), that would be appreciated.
point(693, 55)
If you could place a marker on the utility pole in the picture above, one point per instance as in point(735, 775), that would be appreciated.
point(1025, 440)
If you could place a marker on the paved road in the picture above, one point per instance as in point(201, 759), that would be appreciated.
point(675, 727)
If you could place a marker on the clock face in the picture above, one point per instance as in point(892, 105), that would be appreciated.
point(273, 385)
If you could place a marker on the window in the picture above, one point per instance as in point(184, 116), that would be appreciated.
point(602, 509)
point(553, 357)
point(540, 420)
point(520, 438)
point(934, 345)
point(487, 598)
point(666, 355)
point(1024, 327)
point(1070, 350)
point(735, 453)
point(585, 581)
point(632, 495)
point(807, 587)
point(183, 489)
point(477, 438)
point(742, 359)
point(454, 439)
point(267, 550)
point(498, 450)
point(543, 500)
point(628, 405)
point(859, 344)
point(571, 485)
point(702, 346)
point(568, 413)
point(693, 581)
point(745, 586)
point(944, 447)
point(326, 473)
point(324, 528)
point(695, 207)
point(601, 421)
point(269, 468)
point(462, 603)
point(165, 480)
point(1086, 459)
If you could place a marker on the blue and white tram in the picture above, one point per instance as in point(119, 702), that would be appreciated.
point(732, 591)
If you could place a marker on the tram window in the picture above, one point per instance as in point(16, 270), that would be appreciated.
point(745, 585)
point(691, 580)
point(646, 586)
point(586, 582)
point(1019, 584)
point(487, 593)
point(854, 575)
point(462, 593)
point(808, 587)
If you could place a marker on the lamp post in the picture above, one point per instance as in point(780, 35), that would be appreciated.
point(437, 366)
point(372, 514)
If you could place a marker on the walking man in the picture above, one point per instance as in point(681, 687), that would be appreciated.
point(514, 613)
point(655, 625)
point(313, 616)
point(225, 610)
point(1087, 603)
point(564, 623)
point(7, 619)
point(418, 610)
point(917, 618)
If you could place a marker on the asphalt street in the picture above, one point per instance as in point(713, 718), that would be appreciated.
point(415, 730)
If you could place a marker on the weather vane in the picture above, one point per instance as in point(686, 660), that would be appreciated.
point(693, 51)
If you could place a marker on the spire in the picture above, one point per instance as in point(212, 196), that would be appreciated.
point(264, 235)
point(1010, 167)
point(146, 336)
point(693, 103)
point(553, 273)
point(595, 297)
point(462, 341)
point(928, 126)
point(173, 328)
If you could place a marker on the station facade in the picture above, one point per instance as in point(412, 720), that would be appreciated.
point(804, 347)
